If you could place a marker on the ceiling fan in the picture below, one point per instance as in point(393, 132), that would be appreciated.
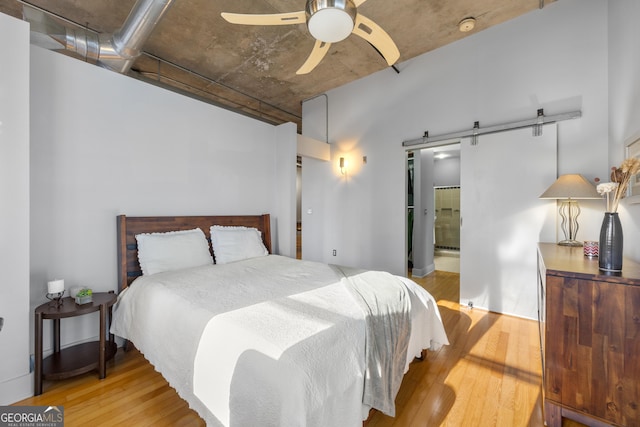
point(328, 21)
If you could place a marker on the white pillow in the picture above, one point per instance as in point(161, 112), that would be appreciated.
point(236, 243)
point(173, 250)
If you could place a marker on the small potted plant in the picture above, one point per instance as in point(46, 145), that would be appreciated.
point(84, 296)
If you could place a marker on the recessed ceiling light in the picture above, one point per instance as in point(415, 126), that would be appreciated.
point(467, 24)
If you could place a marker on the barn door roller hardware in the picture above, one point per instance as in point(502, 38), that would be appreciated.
point(535, 123)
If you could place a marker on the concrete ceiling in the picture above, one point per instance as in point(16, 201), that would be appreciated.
point(252, 69)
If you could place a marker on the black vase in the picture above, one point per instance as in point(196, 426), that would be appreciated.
point(610, 253)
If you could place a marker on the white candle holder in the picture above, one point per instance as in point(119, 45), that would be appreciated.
point(55, 299)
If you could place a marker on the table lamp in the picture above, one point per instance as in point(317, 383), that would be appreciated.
point(570, 188)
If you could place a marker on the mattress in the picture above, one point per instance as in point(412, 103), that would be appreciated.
point(268, 340)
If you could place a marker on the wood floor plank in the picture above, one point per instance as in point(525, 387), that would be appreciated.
point(490, 375)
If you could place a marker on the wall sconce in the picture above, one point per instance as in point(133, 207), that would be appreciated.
point(342, 166)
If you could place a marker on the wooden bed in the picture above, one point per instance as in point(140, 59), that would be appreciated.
point(350, 328)
point(129, 226)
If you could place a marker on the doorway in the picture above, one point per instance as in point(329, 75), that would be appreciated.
point(447, 214)
point(447, 228)
point(431, 171)
point(501, 215)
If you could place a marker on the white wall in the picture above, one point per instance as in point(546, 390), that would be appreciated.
point(424, 210)
point(15, 381)
point(284, 190)
point(103, 144)
point(312, 206)
point(624, 102)
point(446, 172)
point(544, 59)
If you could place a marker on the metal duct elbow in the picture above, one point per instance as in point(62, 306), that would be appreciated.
point(116, 52)
point(120, 51)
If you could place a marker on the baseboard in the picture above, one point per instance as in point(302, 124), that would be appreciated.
point(16, 389)
point(421, 272)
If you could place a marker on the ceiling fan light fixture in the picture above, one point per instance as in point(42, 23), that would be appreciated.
point(330, 21)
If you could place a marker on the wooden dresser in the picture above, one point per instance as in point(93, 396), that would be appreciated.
point(589, 338)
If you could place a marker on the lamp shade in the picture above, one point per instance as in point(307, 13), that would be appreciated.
point(571, 186)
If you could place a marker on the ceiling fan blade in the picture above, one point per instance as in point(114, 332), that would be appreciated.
point(374, 34)
point(267, 19)
point(358, 2)
point(319, 51)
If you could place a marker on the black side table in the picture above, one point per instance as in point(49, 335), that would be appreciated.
point(80, 358)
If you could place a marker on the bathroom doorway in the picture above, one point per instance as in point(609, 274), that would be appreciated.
point(433, 232)
point(446, 233)
point(447, 214)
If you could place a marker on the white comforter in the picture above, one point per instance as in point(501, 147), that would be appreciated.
point(269, 341)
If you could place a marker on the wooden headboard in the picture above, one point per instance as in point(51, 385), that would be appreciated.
point(128, 227)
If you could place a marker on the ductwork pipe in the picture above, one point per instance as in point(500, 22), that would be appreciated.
point(116, 52)
point(84, 43)
point(119, 53)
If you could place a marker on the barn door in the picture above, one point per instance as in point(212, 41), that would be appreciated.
point(503, 218)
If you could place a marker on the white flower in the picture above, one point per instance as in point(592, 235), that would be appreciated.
point(606, 187)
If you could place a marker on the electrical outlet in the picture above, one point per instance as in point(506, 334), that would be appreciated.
point(470, 304)
point(335, 252)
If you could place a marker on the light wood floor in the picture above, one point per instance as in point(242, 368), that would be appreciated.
point(488, 376)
